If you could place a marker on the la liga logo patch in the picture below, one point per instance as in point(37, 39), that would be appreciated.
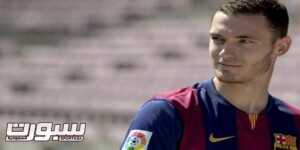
point(137, 140)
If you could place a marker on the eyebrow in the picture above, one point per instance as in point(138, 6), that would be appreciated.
point(215, 34)
point(244, 37)
point(239, 36)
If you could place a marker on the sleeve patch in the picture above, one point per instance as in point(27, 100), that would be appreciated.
point(137, 140)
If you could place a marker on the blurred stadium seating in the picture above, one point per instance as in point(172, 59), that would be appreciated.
point(97, 61)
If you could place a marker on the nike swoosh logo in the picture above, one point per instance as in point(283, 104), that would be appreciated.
point(216, 140)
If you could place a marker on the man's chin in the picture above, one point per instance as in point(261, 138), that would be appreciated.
point(229, 79)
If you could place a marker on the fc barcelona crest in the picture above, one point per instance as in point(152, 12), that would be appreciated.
point(284, 142)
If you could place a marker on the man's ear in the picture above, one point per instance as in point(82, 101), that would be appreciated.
point(282, 45)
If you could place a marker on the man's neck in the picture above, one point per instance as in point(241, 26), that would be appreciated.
point(250, 97)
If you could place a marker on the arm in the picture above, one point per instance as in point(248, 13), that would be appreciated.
point(158, 122)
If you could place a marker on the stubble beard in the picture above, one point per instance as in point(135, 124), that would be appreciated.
point(265, 69)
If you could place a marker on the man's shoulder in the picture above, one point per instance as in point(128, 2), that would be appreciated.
point(175, 94)
point(181, 97)
point(287, 108)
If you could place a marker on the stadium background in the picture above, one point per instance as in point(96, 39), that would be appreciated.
point(97, 61)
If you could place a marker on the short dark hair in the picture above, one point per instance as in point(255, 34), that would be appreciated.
point(274, 11)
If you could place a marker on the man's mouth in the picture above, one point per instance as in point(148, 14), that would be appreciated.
point(230, 65)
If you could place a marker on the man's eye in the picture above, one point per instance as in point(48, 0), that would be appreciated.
point(218, 39)
point(245, 41)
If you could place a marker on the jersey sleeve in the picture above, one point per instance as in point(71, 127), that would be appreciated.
point(156, 126)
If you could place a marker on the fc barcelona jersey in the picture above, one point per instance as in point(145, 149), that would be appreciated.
point(199, 118)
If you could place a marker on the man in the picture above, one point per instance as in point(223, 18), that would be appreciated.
point(233, 110)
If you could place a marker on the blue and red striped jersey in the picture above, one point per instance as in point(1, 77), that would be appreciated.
point(199, 118)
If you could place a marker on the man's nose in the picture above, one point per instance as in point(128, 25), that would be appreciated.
point(228, 51)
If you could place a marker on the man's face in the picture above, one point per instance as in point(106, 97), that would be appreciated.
point(241, 47)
